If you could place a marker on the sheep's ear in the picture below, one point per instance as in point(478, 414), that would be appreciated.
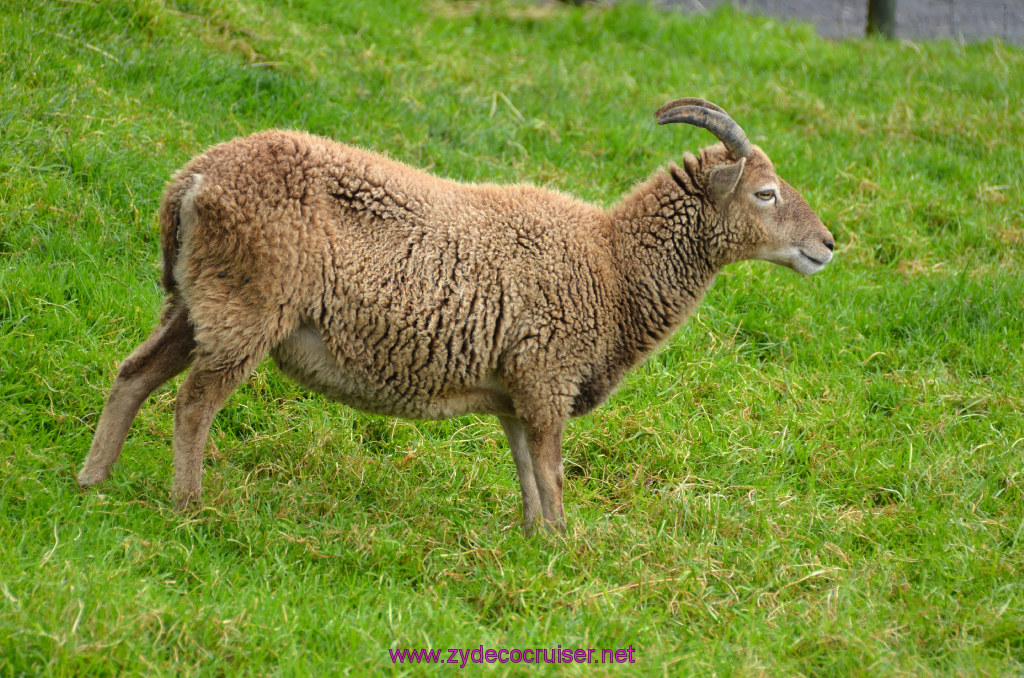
point(725, 177)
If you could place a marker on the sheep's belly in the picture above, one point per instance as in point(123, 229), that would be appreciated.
point(304, 357)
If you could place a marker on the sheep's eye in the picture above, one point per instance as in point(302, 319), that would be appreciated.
point(765, 195)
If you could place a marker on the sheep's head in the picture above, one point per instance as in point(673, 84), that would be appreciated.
point(765, 217)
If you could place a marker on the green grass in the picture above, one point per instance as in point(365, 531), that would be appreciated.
point(816, 476)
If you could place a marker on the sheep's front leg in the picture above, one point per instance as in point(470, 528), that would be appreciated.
point(516, 435)
point(199, 398)
point(545, 443)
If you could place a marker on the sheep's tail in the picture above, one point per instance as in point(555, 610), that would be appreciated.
point(177, 202)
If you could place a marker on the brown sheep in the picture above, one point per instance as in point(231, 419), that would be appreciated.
point(400, 293)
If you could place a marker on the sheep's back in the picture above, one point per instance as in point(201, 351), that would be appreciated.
point(419, 285)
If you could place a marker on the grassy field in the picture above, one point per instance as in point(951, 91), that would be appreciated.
point(815, 477)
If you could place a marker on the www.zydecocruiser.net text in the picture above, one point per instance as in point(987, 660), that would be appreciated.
point(531, 655)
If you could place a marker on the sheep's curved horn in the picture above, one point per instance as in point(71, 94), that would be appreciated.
point(712, 118)
point(687, 101)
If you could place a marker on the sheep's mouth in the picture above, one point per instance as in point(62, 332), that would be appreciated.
point(816, 262)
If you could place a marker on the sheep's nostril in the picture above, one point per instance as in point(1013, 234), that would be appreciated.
point(830, 245)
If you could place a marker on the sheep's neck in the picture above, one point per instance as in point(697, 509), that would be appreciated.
point(665, 262)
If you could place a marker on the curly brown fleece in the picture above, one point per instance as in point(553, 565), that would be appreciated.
point(400, 293)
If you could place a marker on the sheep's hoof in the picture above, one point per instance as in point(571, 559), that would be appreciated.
point(188, 503)
point(531, 528)
point(87, 478)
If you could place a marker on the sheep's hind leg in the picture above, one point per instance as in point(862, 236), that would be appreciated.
point(156, 360)
point(516, 435)
point(202, 394)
